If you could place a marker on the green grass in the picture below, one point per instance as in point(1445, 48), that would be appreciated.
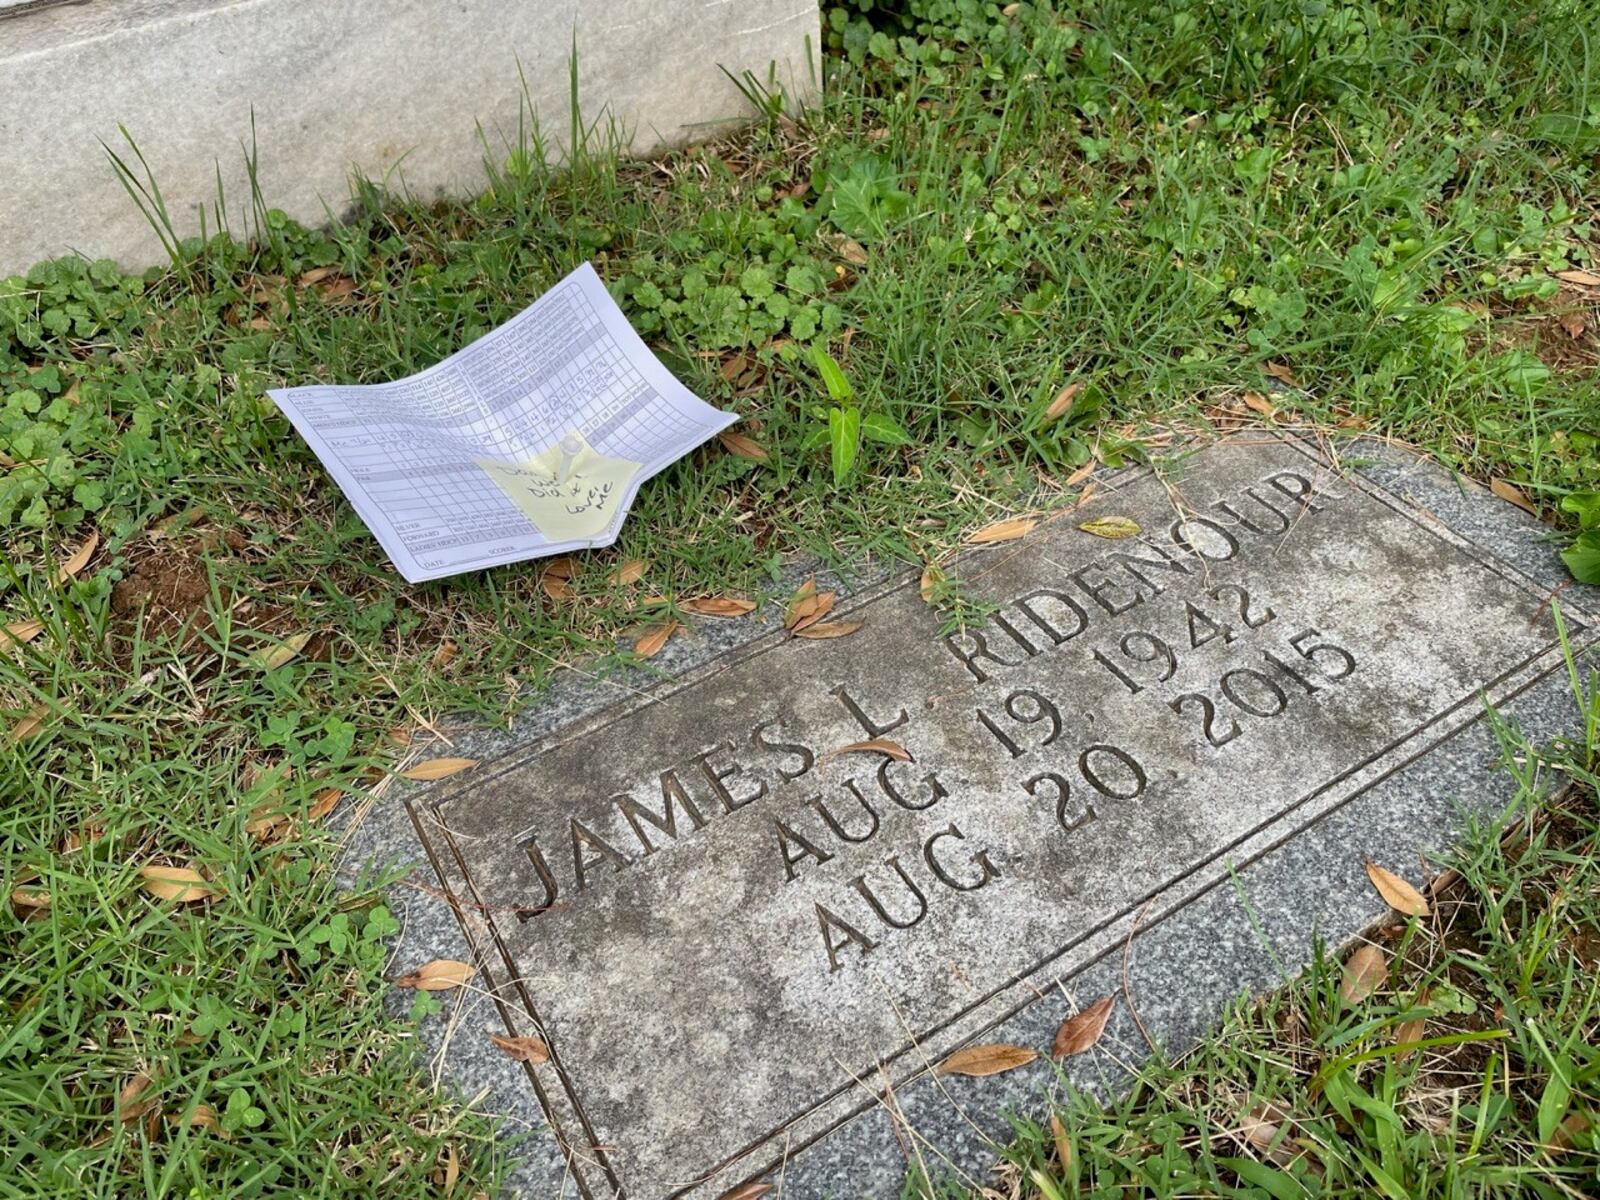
point(1154, 200)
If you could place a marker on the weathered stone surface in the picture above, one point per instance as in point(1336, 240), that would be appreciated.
point(726, 979)
point(392, 89)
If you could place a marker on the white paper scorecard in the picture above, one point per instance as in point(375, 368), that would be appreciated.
point(530, 441)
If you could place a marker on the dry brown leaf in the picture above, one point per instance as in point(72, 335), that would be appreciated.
point(524, 1049)
point(19, 632)
point(1112, 527)
point(1574, 323)
point(828, 629)
point(1364, 971)
point(1083, 1029)
point(852, 252)
point(1008, 530)
point(932, 577)
point(1396, 892)
point(205, 1117)
point(630, 572)
point(734, 367)
point(1260, 1128)
point(129, 1106)
point(799, 603)
point(438, 768)
point(1058, 1134)
point(440, 975)
point(747, 1191)
point(742, 447)
point(30, 897)
point(1281, 373)
point(452, 1168)
point(446, 653)
point(1581, 278)
point(78, 559)
point(1565, 1135)
point(269, 658)
point(652, 639)
point(1257, 403)
point(30, 724)
point(316, 275)
point(1512, 495)
point(882, 746)
point(1412, 1030)
point(978, 1061)
point(266, 819)
point(1080, 474)
point(720, 606)
point(327, 800)
point(183, 885)
point(556, 587)
point(1062, 404)
point(810, 611)
point(565, 567)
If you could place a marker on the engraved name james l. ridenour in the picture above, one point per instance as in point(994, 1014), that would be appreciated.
point(731, 938)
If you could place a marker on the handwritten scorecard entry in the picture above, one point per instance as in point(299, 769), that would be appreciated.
point(531, 441)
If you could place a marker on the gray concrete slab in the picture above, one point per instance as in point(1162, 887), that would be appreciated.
point(394, 90)
point(758, 986)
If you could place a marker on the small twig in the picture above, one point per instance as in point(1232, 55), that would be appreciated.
point(1127, 991)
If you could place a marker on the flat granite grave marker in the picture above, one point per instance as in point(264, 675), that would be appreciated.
point(731, 931)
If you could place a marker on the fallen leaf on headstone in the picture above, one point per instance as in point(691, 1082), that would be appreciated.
point(630, 572)
point(932, 577)
point(1396, 892)
point(829, 629)
point(719, 606)
point(268, 658)
point(440, 975)
point(1512, 495)
point(19, 632)
point(78, 559)
point(1363, 972)
point(1281, 373)
point(1083, 1029)
point(527, 1049)
point(438, 768)
point(986, 1060)
point(30, 724)
point(1062, 404)
point(1008, 530)
point(810, 611)
point(1581, 278)
point(801, 604)
point(740, 446)
point(1257, 403)
point(1111, 527)
point(652, 639)
point(183, 885)
point(747, 1191)
point(883, 746)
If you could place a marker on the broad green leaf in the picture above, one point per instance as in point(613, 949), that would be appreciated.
point(833, 379)
point(1553, 1104)
point(844, 434)
point(1583, 557)
point(880, 428)
point(1277, 1184)
point(1585, 506)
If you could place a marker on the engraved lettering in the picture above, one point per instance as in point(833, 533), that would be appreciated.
point(1296, 487)
point(1132, 564)
point(838, 826)
point(584, 839)
point(672, 794)
point(796, 848)
point(1052, 630)
point(541, 868)
point(803, 753)
point(987, 870)
point(829, 922)
point(1183, 535)
point(867, 894)
point(717, 777)
point(936, 790)
point(872, 727)
point(1099, 590)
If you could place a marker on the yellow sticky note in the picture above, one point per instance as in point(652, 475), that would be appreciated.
point(570, 491)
